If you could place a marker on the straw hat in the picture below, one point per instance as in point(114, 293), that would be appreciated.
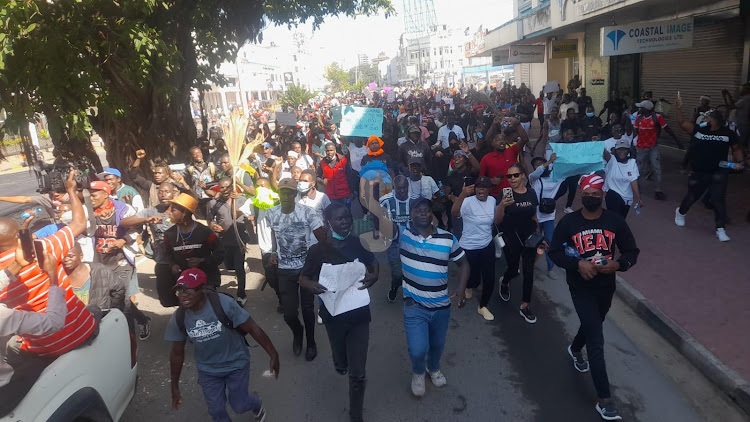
point(186, 201)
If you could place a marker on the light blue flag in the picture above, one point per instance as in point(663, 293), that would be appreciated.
point(577, 159)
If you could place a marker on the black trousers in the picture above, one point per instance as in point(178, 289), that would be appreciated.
point(349, 343)
point(482, 266)
point(124, 273)
point(716, 185)
point(165, 281)
point(291, 298)
point(570, 185)
point(592, 305)
point(272, 274)
point(515, 255)
point(616, 204)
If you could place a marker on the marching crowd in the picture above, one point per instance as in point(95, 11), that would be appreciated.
point(455, 182)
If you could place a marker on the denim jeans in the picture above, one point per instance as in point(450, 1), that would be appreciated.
point(394, 261)
point(650, 156)
point(548, 229)
point(216, 386)
point(425, 335)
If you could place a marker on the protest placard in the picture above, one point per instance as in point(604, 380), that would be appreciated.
point(286, 119)
point(577, 159)
point(361, 121)
point(551, 86)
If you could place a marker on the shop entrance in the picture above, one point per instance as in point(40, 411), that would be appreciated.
point(625, 76)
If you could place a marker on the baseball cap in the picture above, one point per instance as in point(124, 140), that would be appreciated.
point(592, 181)
point(459, 152)
point(705, 97)
point(99, 185)
point(648, 105)
point(622, 143)
point(419, 201)
point(415, 160)
point(483, 181)
point(414, 128)
point(109, 170)
point(191, 278)
point(288, 183)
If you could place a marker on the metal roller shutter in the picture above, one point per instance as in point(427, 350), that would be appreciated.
point(525, 74)
point(712, 64)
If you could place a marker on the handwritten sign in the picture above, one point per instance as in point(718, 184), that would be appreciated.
point(286, 119)
point(361, 121)
point(391, 96)
point(577, 159)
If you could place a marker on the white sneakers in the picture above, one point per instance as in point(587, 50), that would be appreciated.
point(679, 219)
point(418, 383)
point(569, 210)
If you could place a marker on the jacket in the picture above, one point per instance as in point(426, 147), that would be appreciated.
point(106, 291)
point(338, 180)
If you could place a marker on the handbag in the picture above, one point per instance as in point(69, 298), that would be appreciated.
point(534, 240)
point(499, 243)
point(546, 205)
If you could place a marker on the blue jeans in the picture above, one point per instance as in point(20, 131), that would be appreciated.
point(236, 383)
point(425, 335)
point(548, 229)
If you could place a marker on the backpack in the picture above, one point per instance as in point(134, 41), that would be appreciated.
point(211, 169)
point(213, 299)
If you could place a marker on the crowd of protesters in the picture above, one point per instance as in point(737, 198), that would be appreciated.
point(452, 188)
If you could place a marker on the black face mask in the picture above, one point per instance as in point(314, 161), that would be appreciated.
point(591, 203)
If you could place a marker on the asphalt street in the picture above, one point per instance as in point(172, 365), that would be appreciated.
point(505, 370)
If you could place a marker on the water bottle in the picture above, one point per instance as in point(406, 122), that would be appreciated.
point(440, 187)
point(27, 214)
point(727, 164)
point(571, 251)
point(637, 208)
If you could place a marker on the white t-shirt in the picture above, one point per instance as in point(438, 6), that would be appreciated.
point(293, 234)
point(318, 204)
point(549, 103)
point(356, 154)
point(609, 144)
point(424, 187)
point(549, 191)
point(305, 161)
point(564, 109)
point(444, 133)
point(619, 176)
point(477, 217)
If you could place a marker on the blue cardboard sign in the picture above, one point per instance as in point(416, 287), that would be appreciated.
point(577, 159)
point(361, 121)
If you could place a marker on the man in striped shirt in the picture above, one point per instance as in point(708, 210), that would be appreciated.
point(396, 208)
point(425, 253)
point(29, 355)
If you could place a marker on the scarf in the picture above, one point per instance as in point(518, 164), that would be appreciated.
point(106, 210)
point(380, 150)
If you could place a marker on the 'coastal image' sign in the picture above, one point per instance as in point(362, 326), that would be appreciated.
point(645, 37)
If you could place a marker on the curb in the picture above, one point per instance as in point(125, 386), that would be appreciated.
point(725, 378)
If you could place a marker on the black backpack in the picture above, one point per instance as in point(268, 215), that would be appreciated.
point(213, 299)
point(655, 117)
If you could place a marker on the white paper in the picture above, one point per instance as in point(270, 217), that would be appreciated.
point(343, 282)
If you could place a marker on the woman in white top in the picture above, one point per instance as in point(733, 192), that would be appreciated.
point(621, 181)
point(541, 181)
point(479, 213)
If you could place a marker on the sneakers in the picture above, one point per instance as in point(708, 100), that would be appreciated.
point(608, 411)
point(145, 329)
point(504, 292)
point(659, 195)
point(392, 294)
point(297, 345)
point(438, 379)
point(679, 219)
point(569, 210)
point(722, 235)
point(483, 311)
point(319, 320)
point(417, 384)
point(311, 352)
point(260, 414)
point(241, 301)
point(527, 314)
point(468, 293)
point(579, 362)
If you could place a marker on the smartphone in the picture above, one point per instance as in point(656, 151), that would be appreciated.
point(39, 251)
point(27, 244)
point(270, 162)
point(469, 180)
point(508, 193)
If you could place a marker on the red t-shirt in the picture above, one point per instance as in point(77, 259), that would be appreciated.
point(647, 130)
point(496, 164)
point(30, 293)
point(539, 106)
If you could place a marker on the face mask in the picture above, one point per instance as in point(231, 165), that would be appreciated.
point(66, 217)
point(589, 114)
point(303, 187)
point(591, 203)
point(338, 236)
point(703, 124)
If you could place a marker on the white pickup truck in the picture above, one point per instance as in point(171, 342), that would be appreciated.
point(92, 383)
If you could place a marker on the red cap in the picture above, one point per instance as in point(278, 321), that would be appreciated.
point(592, 181)
point(99, 185)
point(191, 279)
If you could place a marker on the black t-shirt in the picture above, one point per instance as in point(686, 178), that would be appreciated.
point(202, 242)
point(708, 147)
point(324, 253)
point(526, 112)
point(570, 124)
point(456, 181)
point(518, 221)
point(104, 238)
point(591, 126)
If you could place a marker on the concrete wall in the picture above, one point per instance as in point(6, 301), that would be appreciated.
point(597, 67)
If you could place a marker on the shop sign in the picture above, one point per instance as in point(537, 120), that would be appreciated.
point(644, 37)
point(500, 58)
point(563, 49)
point(526, 54)
point(597, 81)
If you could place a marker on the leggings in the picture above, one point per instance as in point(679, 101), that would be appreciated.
point(616, 204)
point(482, 265)
point(570, 185)
point(514, 253)
point(715, 184)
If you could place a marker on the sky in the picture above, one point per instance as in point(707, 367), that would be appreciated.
point(341, 39)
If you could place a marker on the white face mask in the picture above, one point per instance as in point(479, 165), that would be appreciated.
point(66, 217)
point(303, 187)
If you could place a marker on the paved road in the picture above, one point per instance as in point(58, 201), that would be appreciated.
point(501, 370)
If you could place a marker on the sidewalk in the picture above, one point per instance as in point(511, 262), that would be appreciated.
point(14, 163)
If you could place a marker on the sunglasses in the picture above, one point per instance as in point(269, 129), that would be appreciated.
point(513, 175)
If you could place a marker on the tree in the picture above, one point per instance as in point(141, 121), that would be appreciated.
point(294, 96)
point(337, 76)
point(126, 69)
point(365, 73)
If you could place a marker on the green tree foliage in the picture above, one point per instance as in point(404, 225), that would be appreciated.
point(294, 96)
point(366, 73)
point(337, 77)
point(126, 69)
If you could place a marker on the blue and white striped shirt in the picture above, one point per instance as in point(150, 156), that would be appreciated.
point(425, 266)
